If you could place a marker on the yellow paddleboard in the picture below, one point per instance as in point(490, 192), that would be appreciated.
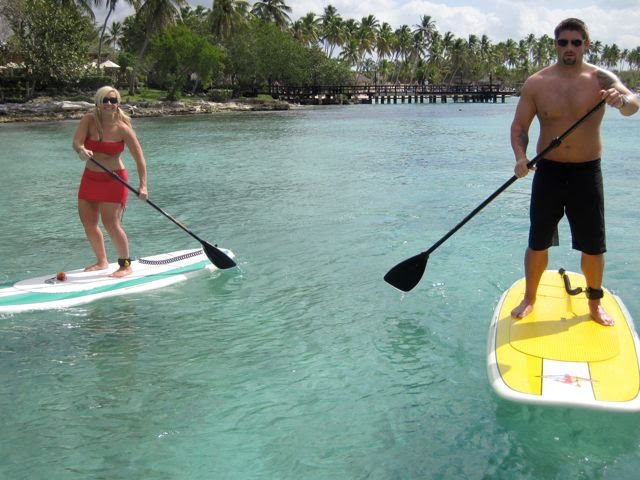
point(558, 355)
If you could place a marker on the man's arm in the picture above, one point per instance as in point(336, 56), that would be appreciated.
point(525, 111)
point(617, 94)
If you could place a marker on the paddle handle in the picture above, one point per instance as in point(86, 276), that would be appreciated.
point(553, 144)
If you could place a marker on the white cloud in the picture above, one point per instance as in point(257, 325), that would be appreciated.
point(612, 21)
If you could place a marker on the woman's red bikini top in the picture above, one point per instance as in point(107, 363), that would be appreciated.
point(108, 148)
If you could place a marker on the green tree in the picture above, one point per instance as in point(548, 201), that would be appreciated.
point(115, 35)
point(51, 39)
point(595, 50)
point(152, 18)
point(279, 56)
point(272, 11)
point(367, 35)
point(181, 55)
point(227, 17)
point(307, 29)
point(331, 29)
point(195, 19)
point(111, 7)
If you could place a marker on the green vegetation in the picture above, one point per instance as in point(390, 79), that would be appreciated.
point(143, 95)
point(245, 49)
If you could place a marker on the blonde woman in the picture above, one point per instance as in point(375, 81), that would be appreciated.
point(102, 134)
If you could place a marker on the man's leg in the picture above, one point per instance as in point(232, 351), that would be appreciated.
point(535, 263)
point(593, 269)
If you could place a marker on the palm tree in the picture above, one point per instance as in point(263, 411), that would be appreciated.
point(307, 29)
point(111, 6)
point(437, 65)
point(531, 43)
point(227, 16)
point(115, 34)
point(195, 19)
point(594, 52)
point(83, 5)
point(402, 48)
point(610, 55)
point(426, 30)
point(543, 51)
point(624, 55)
point(634, 58)
point(351, 52)
point(155, 15)
point(384, 41)
point(272, 11)
point(331, 28)
point(367, 34)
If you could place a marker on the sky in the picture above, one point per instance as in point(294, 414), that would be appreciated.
point(610, 21)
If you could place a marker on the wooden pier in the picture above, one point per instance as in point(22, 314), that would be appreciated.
point(392, 94)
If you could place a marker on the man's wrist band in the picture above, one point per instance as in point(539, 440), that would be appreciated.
point(625, 100)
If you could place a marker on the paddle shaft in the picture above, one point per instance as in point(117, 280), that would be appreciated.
point(553, 144)
point(137, 192)
point(217, 256)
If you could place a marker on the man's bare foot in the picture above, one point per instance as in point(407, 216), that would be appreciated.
point(96, 266)
point(522, 310)
point(599, 314)
point(122, 272)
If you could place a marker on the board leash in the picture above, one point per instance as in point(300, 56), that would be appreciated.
point(166, 261)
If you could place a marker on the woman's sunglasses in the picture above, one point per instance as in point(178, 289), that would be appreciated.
point(563, 42)
point(111, 100)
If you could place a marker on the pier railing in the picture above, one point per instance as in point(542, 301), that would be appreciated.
point(392, 93)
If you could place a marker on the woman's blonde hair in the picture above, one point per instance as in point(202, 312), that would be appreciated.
point(97, 111)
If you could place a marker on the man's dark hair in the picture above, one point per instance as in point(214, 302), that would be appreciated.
point(573, 24)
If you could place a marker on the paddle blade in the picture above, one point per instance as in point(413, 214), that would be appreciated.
point(406, 275)
point(217, 256)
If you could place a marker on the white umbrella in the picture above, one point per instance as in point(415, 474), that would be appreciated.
point(109, 64)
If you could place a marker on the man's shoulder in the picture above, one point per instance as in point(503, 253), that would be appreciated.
point(539, 79)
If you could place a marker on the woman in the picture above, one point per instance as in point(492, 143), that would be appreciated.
point(102, 134)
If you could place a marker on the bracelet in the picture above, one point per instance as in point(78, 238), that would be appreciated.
point(625, 101)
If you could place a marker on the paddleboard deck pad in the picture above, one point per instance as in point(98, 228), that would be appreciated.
point(80, 287)
point(558, 355)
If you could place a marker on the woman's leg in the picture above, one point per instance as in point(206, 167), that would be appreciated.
point(90, 216)
point(111, 214)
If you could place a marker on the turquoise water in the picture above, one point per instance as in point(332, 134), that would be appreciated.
point(302, 363)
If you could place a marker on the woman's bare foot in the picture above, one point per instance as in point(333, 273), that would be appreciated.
point(96, 267)
point(599, 314)
point(122, 272)
point(522, 310)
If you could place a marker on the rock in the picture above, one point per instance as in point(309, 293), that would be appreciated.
point(44, 110)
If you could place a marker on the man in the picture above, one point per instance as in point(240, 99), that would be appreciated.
point(569, 179)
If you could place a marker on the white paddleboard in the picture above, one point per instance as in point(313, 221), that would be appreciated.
point(558, 355)
point(79, 287)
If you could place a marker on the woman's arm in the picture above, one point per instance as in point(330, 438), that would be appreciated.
point(132, 143)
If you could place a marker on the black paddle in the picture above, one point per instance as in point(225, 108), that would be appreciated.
point(406, 275)
point(217, 256)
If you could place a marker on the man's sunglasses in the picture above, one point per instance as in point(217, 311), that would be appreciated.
point(563, 42)
point(113, 100)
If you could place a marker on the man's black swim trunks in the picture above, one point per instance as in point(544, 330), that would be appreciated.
point(571, 188)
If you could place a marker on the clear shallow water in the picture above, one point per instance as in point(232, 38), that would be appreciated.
point(302, 363)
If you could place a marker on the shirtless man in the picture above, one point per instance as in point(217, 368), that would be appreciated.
point(569, 179)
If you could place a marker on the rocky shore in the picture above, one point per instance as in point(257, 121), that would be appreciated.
point(48, 110)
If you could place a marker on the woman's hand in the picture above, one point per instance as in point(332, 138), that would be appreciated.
point(84, 154)
point(142, 193)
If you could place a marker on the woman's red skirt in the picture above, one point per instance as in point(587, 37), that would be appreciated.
point(102, 187)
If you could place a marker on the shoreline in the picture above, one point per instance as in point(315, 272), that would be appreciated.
point(51, 110)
